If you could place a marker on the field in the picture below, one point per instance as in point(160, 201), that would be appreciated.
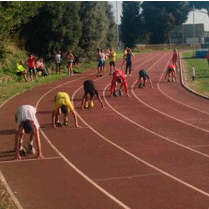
point(201, 83)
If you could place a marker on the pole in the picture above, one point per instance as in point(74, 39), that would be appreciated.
point(193, 32)
point(183, 34)
point(117, 25)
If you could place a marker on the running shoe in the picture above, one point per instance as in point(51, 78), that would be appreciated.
point(86, 105)
point(115, 94)
point(31, 150)
point(23, 151)
point(120, 93)
point(91, 104)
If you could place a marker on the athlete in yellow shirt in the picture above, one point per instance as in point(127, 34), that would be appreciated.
point(62, 106)
point(112, 55)
point(21, 71)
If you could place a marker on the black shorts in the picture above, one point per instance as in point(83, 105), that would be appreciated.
point(19, 73)
point(89, 88)
point(143, 74)
point(112, 63)
point(128, 64)
point(32, 70)
point(170, 70)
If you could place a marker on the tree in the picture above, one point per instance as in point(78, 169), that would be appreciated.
point(162, 16)
point(14, 13)
point(98, 26)
point(130, 22)
point(56, 26)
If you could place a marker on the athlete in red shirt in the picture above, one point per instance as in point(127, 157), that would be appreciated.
point(32, 66)
point(174, 57)
point(171, 72)
point(118, 76)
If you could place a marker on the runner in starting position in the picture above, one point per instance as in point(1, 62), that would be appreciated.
point(89, 89)
point(62, 106)
point(27, 123)
point(171, 72)
point(119, 77)
point(143, 76)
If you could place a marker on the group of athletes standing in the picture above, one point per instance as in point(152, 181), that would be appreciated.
point(26, 114)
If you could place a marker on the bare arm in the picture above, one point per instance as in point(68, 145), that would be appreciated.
point(53, 119)
point(100, 100)
point(17, 141)
point(75, 118)
point(150, 83)
point(82, 102)
point(38, 142)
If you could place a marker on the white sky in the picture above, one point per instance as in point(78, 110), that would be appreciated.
point(199, 17)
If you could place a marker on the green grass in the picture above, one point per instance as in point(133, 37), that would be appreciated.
point(201, 83)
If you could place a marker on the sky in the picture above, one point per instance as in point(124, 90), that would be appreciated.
point(199, 16)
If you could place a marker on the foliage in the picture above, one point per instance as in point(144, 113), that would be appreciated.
point(130, 22)
point(11, 55)
point(98, 27)
point(56, 26)
point(14, 13)
point(162, 16)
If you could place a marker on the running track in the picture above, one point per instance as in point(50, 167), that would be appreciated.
point(147, 152)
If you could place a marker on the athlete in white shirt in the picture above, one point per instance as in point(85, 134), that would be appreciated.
point(27, 122)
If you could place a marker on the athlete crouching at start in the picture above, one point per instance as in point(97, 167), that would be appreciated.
point(171, 73)
point(27, 123)
point(62, 106)
point(118, 77)
point(89, 92)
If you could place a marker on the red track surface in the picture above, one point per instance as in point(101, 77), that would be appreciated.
point(147, 152)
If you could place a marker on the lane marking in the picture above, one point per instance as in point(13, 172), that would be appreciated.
point(6, 185)
point(128, 177)
point(158, 85)
point(146, 163)
point(179, 120)
point(72, 165)
point(28, 160)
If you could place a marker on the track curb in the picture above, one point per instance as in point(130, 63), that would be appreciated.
point(183, 83)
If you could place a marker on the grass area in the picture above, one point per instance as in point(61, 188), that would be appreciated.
point(201, 83)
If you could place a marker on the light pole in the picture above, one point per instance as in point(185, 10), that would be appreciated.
point(117, 25)
point(193, 32)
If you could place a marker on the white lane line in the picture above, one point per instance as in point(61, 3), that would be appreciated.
point(179, 120)
point(84, 175)
point(158, 85)
point(61, 86)
point(165, 138)
point(28, 160)
point(74, 167)
point(6, 185)
point(128, 177)
point(146, 163)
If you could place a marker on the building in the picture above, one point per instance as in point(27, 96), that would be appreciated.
point(187, 34)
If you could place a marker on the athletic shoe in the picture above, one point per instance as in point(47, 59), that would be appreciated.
point(31, 150)
point(58, 124)
point(65, 123)
point(115, 94)
point(23, 151)
point(91, 104)
point(86, 105)
point(120, 93)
